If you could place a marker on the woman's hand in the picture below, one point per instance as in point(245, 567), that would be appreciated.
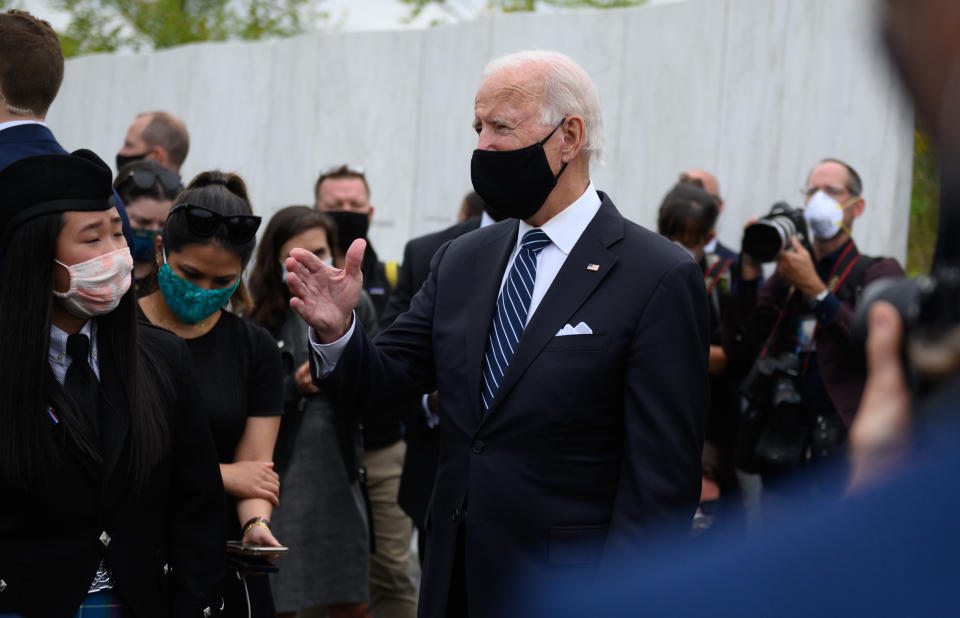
point(261, 536)
point(251, 479)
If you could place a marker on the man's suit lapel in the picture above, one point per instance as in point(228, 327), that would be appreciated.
point(571, 287)
point(490, 265)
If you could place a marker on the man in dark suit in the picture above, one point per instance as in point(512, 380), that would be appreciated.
point(420, 419)
point(31, 70)
point(569, 350)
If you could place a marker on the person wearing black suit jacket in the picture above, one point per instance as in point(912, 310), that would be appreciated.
point(31, 70)
point(112, 492)
point(568, 444)
point(420, 461)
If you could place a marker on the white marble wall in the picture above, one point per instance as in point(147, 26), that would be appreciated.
point(755, 90)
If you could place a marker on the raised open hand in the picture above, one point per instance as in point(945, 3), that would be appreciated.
point(325, 296)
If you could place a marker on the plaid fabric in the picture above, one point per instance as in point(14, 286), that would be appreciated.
point(103, 604)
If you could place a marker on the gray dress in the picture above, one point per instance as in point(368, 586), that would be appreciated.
point(321, 517)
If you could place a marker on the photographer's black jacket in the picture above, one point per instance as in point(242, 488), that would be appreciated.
point(757, 311)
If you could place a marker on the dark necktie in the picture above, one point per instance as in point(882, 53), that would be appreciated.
point(511, 315)
point(80, 381)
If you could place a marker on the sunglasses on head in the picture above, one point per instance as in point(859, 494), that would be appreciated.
point(144, 179)
point(205, 223)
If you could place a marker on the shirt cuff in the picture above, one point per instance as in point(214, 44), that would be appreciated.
point(328, 354)
point(827, 309)
point(432, 419)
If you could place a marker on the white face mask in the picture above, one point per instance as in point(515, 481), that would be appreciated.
point(824, 215)
point(283, 267)
point(97, 285)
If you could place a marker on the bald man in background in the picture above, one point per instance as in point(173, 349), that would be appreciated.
point(156, 136)
point(709, 183)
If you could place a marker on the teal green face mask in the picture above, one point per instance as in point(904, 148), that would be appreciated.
point(191, 303)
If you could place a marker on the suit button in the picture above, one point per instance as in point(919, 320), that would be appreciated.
point(166, 569)
point(478, 446)
point(207, 612)
point(456, 515)
point(3, 585)
point(105, 538)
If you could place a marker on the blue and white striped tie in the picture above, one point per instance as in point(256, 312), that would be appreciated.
point(511, 315)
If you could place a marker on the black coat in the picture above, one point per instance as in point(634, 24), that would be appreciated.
point(592, 441)
point(164, 546)
point(420, 462)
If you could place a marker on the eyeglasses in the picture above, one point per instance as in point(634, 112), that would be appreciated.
point(834, 191)
point(144, 179)
point(205, 223)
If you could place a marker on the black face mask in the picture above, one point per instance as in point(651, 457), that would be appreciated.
point(124, 159)
point(350, 226)
point(514, 183)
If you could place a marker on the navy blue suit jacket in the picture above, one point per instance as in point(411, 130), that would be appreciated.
point(27, 140)
point(592, 441)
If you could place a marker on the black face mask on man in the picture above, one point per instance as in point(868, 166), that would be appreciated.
point(124, 159)
point(350, 226)
point(514, 183)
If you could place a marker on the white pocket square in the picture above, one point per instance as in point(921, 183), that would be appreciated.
point(579, 329)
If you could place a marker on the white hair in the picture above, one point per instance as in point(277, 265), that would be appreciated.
point(567, 90)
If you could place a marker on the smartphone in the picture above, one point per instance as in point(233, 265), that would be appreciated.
point(237, 547)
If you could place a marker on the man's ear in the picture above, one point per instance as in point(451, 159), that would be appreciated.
point(158, 154)
point(573, 132)
point(370, 215)
point(858, 207)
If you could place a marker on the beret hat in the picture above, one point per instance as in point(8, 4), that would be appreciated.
point(44, 184)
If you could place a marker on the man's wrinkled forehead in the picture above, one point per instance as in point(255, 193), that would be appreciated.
point(513, 88)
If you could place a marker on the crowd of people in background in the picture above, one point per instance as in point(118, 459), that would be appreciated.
point(177, 373)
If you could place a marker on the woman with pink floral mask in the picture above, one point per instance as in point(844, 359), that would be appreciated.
point(113, 503)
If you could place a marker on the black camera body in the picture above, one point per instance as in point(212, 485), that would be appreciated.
point(929, 306)
point(766, 238)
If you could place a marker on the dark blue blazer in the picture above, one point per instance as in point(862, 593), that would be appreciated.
point(591, 442)
point(27, 140)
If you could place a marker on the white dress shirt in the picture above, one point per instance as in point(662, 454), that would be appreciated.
point(17, 123)
point(60, 360)
point(563, 229)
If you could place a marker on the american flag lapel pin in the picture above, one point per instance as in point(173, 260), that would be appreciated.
point(593, 267)
point(53, 416)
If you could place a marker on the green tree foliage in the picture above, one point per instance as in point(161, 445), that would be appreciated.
point(108, 25)
point(924, 204)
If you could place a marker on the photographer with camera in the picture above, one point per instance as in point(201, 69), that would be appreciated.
point(804, 382)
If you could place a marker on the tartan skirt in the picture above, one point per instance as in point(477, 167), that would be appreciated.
point(103, 604)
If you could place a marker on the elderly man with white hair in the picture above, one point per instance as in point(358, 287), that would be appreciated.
point(568, 346)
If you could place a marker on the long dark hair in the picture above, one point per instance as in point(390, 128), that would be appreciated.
point(225, 194)
point(28, 449)
point(270, 296)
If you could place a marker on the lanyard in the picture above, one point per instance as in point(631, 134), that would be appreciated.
point(847, 259)
point(711, 278)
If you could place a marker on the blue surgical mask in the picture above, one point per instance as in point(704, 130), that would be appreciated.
point(191, 303)
point(144, 245)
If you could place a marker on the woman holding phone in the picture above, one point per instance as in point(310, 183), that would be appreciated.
point(208, 238)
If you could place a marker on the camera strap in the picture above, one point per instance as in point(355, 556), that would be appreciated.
point(711, 278)
point(842, 267)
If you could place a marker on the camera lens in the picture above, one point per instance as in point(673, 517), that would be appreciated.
point(763, 240)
